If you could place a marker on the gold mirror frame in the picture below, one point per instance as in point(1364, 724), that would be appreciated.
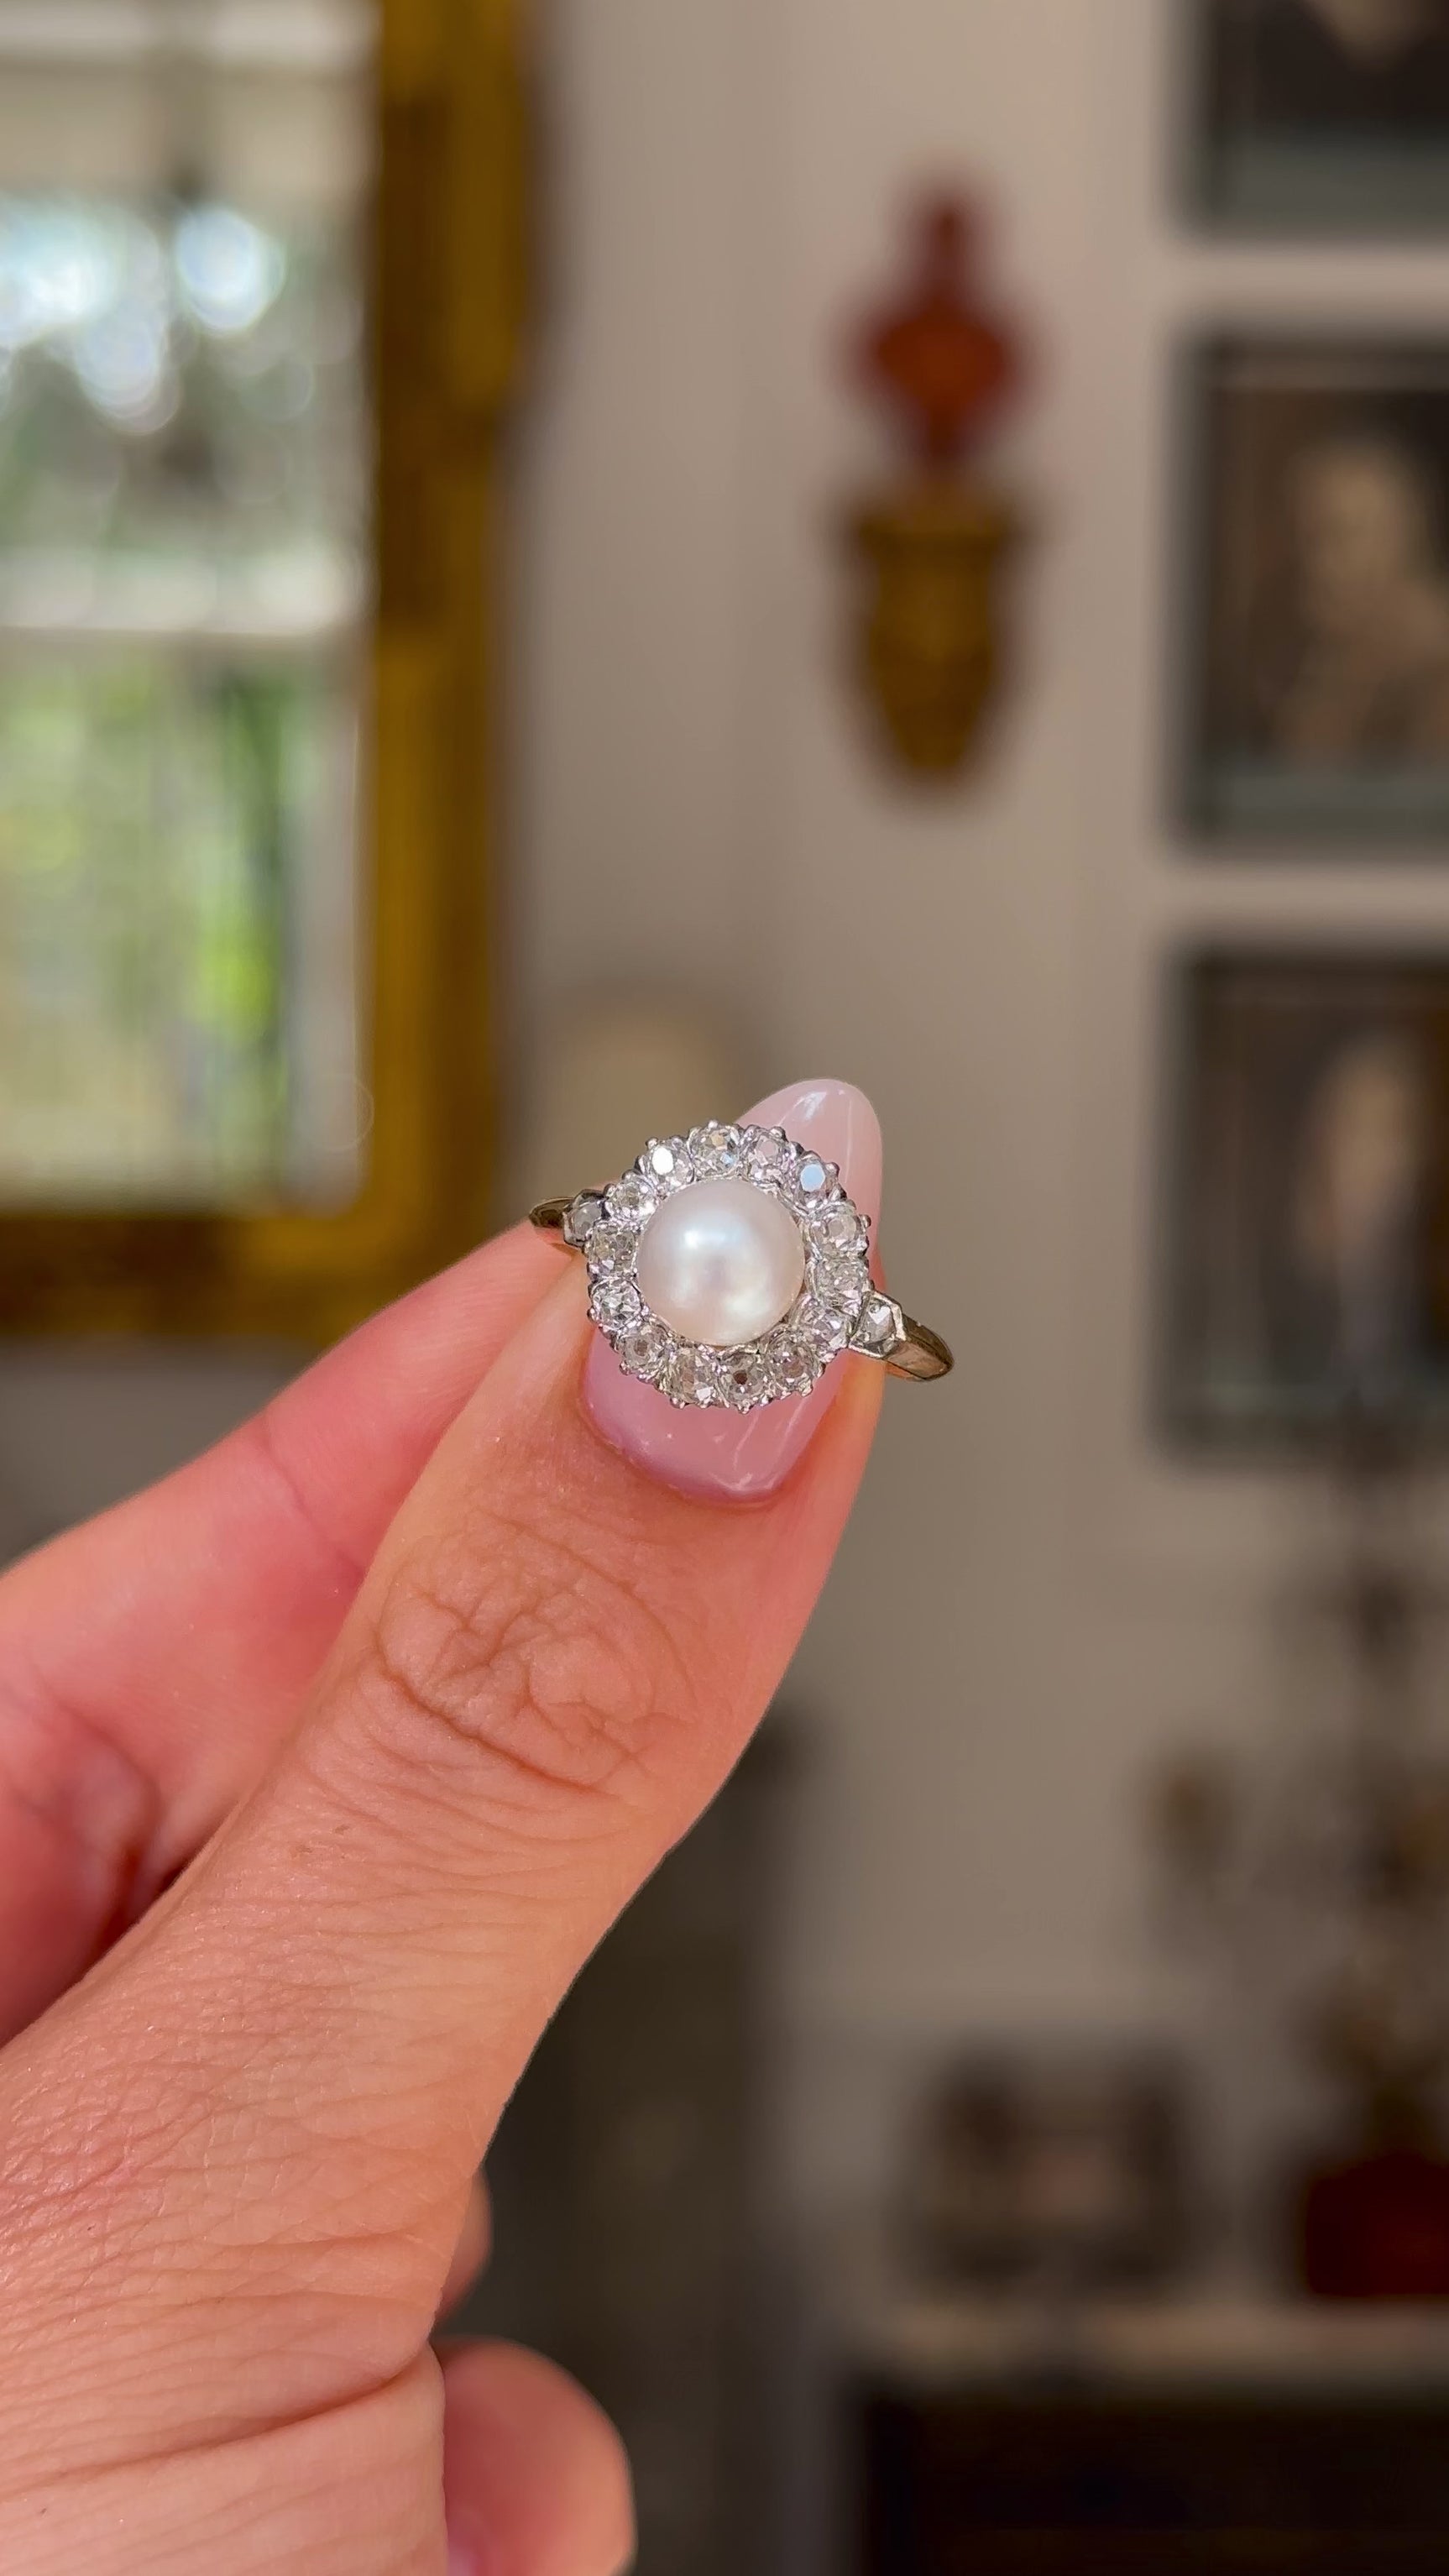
point(448, 295)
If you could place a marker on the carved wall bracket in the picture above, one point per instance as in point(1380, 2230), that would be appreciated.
point(930, 546)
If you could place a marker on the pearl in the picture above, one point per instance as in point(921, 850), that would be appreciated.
point(721, 1262)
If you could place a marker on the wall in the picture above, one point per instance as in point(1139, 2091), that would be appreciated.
point(1033, 1601)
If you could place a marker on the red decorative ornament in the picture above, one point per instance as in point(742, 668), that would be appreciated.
point(931, 544)
point(943, 362)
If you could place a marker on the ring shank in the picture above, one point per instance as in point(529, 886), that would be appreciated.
point(549, 1217)
point(922, 1356)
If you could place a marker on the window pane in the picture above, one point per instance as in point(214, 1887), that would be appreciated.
point(184, 549)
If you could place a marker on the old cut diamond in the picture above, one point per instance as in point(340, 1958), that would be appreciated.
point(749, 1379)
point(665, 1162)
point(582, 1217)
point(882, 1326)
point(693, 1376)
point(717, 1153)
point(796, 1363)
point(823, 1323)
point(615, 1303)
point(837, 1227)
point(611, 1248)
point(633, 1199)
point(841, 1279)
point(644, 1350)
point(769, 1156)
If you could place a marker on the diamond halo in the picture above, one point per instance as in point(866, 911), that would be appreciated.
point(838, 1308)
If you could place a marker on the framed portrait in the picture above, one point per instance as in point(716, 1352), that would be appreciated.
point(260, 279)
point(1321, 116)
point(1036, 2157)
point(1308, 1264)
point(1316, 602)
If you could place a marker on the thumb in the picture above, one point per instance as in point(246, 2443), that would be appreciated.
point(552, 1664)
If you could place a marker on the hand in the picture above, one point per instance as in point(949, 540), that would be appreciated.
point(323, 1767)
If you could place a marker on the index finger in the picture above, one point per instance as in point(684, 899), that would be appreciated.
point(554, 1661)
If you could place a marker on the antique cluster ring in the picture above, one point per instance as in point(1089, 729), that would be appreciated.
point(730, 1268)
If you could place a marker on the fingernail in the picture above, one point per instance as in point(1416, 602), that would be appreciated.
point(463, 2561)
point(740, 1456)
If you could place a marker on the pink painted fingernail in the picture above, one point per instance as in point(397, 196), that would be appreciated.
point(740, 1456)
point(463, 2561)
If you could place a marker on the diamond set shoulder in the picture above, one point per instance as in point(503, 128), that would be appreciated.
point(729, 1268)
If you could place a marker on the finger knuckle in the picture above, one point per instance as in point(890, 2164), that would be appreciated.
point(529, 1656)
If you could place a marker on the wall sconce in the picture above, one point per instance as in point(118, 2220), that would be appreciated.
point(931, 544)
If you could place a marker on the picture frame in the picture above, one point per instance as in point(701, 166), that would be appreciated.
point(1305, 1270)
point(1313, 596)
point(448, 262)
point(1000, 2128)
point(1318, 118)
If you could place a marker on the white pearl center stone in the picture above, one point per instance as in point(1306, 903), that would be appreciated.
point(722, 1262)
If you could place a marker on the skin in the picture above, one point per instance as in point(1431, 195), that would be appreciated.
point(412, 1681)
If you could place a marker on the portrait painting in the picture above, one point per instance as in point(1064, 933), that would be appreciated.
point(1316, 618)
point(1323, 115)
point(1308, 1271)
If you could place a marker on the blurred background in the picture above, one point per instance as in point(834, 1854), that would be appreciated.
point(560, 568)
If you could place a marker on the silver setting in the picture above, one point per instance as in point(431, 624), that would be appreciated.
point(838, 1309)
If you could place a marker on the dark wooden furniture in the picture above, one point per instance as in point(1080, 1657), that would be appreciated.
point(1334, 2465)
